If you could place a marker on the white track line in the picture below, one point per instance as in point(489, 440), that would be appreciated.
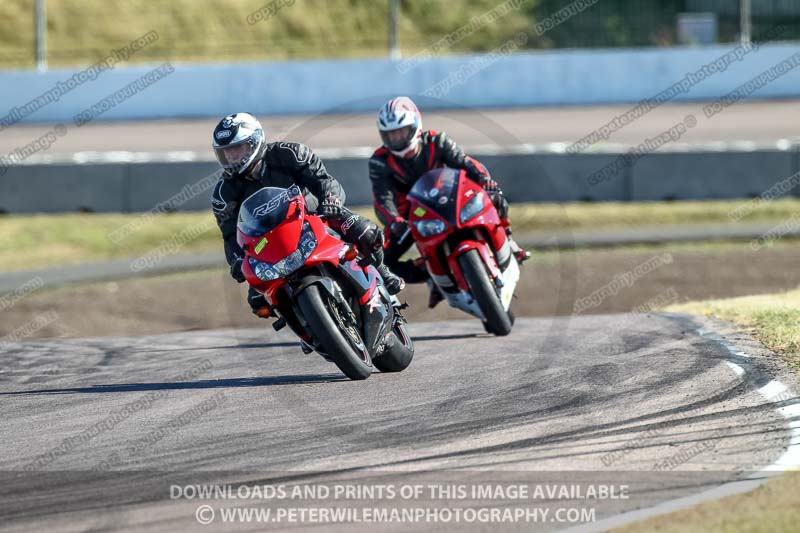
point(206, 156)
point(775, 393)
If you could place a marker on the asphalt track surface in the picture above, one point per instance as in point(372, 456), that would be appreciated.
point(762, 122)
point(582, 400)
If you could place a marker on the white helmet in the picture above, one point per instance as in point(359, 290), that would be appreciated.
point(400, 115)
point(239, 144)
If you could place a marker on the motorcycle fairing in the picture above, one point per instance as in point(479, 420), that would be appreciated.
point(280, 213)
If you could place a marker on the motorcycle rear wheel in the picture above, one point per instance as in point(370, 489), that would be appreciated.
point(332, 335)
point(398, 356)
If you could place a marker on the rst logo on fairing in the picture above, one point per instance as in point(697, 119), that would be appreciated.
point(283, 197)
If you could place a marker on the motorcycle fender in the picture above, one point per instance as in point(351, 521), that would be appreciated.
point(486, 255)
point(325, 283)
point(376, 310)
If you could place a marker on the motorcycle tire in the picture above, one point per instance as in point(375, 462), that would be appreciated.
point(497, 319)
point(325, 330)
point(398, 356)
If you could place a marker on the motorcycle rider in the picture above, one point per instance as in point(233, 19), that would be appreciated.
point(250, 163)
point(407, 153)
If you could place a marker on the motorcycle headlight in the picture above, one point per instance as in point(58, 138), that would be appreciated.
point(263, 270)
point(428, 228)
point(471, 208)
point(268, 271)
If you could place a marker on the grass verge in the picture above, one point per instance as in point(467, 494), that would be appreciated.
point(774, 319)
point(207, 30)
point(610, 215)
point(40, 241)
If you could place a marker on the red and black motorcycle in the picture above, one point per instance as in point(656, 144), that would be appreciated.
point(459, 235)
point(313, 283)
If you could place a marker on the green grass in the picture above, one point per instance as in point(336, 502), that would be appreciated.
point(774, 319)
point(82, 31)
point(606, 215)
point(40, 241)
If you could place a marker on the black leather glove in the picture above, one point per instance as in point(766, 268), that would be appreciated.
point(367, 238)
point(329, 211)
point(236, 270)
point(399, 227)
point(373, 251)
point(500, 203)
point(330, 207)
point(490, 185)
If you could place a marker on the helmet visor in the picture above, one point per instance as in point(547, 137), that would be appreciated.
point(398, 139)
point(237, 156)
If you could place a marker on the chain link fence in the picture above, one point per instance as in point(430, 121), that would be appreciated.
point(81, 31)
point(631, 23)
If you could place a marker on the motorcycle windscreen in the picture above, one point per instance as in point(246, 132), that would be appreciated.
point(263, 210)
point(437, 189)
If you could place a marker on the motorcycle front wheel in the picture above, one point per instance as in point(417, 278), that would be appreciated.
point(482, 288)
point(340, 340)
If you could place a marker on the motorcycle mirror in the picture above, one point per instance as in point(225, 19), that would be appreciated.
point(297, 211)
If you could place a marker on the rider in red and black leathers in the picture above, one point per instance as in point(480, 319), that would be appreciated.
point(407, 153)
point(392, 178)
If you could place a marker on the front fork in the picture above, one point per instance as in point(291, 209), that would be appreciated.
point(486, 256)
point(373, 317)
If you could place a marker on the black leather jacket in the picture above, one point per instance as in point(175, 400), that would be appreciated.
point(285, 163)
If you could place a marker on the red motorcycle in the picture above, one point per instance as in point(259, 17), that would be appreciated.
point(313, 283)
point(459, 235)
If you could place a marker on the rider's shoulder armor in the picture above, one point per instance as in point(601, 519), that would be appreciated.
point(282, 162)
point(287, 154)
point(226, 196)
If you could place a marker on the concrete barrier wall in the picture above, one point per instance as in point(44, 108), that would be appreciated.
point(60, 188)
point(567, 77)
point(140, 187)
point(709, 175)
